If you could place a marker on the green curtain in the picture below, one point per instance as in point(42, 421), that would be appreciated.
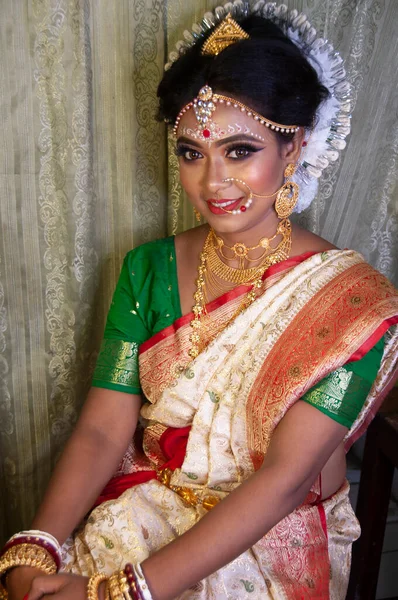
point(84, 178)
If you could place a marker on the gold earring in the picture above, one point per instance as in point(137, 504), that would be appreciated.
point(197, 214)
point(287, 196)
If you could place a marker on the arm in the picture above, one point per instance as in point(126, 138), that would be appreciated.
point(300, 447)
point(90, 458)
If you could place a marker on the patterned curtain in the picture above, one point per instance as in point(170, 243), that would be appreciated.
point(357, 203)
point(82, 181)
point(83, 178)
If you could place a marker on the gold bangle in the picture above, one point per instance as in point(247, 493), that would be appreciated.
point(107, 592)
point(93, 585)
point(124, 586)
point(27, 555)
point(3, 593)
point(114, 587)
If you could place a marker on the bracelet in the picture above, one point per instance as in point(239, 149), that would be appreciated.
point(124, 586)
point(107, 592)
point(121, 587)
point(93, 585)
point(114, 588)
point(27, 555)
point(3, 593)
point(129, 573)
point(142, 586)
point(43, 535)
point(40, 538)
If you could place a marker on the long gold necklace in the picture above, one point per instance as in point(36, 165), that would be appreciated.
point(210, 265)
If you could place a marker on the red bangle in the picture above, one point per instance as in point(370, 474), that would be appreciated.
point(133, 587)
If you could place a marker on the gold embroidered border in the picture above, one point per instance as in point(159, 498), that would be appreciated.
point(152, 449)
point(164, 362)
point(117, 363)
point(295, 554)
point(334, 323)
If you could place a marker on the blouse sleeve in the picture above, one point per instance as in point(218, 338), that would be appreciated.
point(342, 393)
point(117, 363)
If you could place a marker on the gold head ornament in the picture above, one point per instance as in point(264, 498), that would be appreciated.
point(226, 34)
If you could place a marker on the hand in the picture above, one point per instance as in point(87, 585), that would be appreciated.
point(19, 581)
point(60, 587)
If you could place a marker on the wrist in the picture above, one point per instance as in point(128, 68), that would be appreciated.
point(102, 591)
point(19, 579)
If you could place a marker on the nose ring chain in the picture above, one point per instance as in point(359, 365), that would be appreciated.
point(248, 202)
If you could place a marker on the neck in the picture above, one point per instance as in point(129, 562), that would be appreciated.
point(266, 228)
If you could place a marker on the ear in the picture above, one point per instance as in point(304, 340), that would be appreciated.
point(292, 150)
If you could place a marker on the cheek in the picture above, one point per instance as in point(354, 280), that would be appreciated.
point(264, 175)
point(188, 178)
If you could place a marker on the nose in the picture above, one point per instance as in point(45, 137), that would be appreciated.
point(214, 177)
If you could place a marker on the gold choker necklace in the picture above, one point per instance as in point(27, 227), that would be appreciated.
point(215, 275)
point(241, 252)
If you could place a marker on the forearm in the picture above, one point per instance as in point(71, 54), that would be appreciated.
point(228, 530)
point(90, 458)
point(86, 465)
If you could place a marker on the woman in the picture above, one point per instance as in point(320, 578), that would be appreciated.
point(262, 350)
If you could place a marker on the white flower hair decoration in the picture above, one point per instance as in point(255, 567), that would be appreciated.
point(332, 125)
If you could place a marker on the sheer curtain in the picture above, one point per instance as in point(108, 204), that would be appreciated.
point(83, 178)
point(357, 205)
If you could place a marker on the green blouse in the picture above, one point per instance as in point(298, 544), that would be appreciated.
point(146, 300)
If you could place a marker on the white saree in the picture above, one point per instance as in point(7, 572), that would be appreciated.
point(309, 321)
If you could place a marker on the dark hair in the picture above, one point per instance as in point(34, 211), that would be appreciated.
point(268, 72)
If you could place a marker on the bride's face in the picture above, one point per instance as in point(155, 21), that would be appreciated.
point(247, 151)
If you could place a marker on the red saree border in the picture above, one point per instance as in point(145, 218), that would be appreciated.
point(373, 339)
point(222, 300)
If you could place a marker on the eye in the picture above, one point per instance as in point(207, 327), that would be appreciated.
point(242, 151)
point(187, 153)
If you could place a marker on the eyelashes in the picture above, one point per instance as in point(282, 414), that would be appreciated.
point(183, 151)
point(190, 154)
point(247, 149)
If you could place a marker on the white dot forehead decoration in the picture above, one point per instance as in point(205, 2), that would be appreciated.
point(326, 139)
point(205, 105)
point(219, 133)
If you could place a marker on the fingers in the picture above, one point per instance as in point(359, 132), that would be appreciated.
point(49, 584)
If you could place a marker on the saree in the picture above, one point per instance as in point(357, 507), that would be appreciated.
point(207, 424)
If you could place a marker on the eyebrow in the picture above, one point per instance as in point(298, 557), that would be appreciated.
point(233, 138)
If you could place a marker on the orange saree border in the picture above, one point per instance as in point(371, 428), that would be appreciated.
point(348, 315)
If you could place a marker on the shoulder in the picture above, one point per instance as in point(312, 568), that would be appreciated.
point(153, 251)
point(150, 261)
point(305, 241)
point(192, 238)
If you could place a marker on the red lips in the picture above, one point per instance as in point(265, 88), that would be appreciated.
point(217, 210)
